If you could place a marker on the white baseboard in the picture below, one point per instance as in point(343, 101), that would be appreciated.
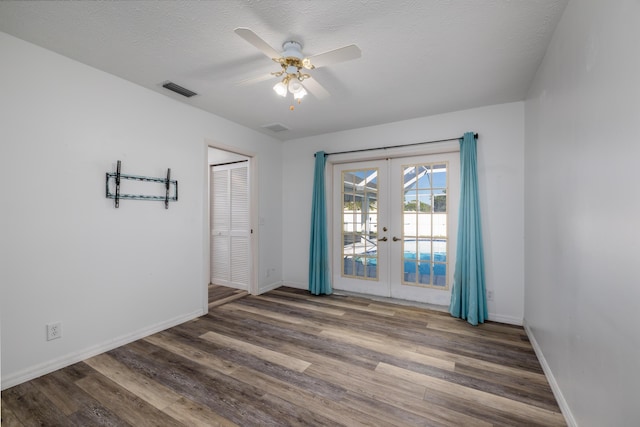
point(296, 285)
point(564, 407)
point(75, 357)
point(269, 287)
point(505, 319)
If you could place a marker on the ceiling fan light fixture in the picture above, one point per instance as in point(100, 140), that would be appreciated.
point(295, 86)
point(300, 94)
point(281, 89)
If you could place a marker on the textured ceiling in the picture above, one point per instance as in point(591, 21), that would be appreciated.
point(419, 58)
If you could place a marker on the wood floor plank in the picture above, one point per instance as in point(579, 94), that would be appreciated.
point(32, 407)
point(289, 358)
point(8, 418)
point(265, 313)
point(174, 345)
point(127, 405)
point(190, 414)
point(343, 304)
point(508, 340)
point(379, 346)
point(473, 395)
point(489, 366)
point(228, 397)
point(304, 307)
point(143, 387)
point(261, 352)
point(82, 409)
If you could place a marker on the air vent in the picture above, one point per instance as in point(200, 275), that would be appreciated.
point(178, 89)
point(276, 127)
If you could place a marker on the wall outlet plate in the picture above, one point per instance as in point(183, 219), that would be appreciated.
point(54, 331)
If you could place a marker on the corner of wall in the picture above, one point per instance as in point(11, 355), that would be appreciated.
point(557, 392)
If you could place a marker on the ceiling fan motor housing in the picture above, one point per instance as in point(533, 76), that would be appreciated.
point(293, 56)
point(292, 49)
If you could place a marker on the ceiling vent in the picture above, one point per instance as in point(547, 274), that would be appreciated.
point(276, 127)
point(178, 89)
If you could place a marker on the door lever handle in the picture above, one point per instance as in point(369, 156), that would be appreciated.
point(395, 239)
point(383, 239)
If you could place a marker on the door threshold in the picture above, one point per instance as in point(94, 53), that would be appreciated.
point(435, 307)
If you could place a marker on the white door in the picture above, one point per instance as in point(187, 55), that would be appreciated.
point(395, 227)
point(230, 225)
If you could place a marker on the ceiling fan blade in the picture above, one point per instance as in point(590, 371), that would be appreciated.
point(341, 54)
point(257, 42)
point(315, 88)
point(252, 80)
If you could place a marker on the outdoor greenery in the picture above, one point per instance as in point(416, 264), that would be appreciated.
point(357, 205)
point(412, 206)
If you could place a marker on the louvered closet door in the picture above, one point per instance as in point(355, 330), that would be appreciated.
point(230, 230)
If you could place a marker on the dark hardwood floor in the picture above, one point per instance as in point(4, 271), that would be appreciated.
point(288, 358)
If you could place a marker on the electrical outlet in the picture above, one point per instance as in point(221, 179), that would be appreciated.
point(489, 295)
point(54, 331)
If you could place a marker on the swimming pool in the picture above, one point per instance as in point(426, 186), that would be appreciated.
point(418, 267)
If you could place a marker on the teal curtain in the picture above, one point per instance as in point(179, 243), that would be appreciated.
point(319, 274)
point(468, 296)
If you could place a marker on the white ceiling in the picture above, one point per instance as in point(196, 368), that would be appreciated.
point(419, 57)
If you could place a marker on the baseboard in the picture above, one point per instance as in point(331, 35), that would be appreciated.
point(564, 407)
point(269, 287)
point(505, 319)
point(296, 285)
point(75, 357)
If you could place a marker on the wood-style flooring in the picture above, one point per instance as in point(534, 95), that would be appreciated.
point(289, 358)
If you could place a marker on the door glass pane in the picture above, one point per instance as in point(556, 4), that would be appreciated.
point(424, 250)
point(409, 248)
point(440, 250)
point(424, 273)
point(424, 201)
point(409, 176)
point(439, 176)
point(423, 173)
point(439, 225)
point(409, 271)
point(360, 223)
point(410, 201)
point(439, 201)
point(440, 274)
point(371, 268)
point(424, 225)
point(347, 269)
point(359, 264)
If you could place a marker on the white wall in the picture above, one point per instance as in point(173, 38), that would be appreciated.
point(501, 176)
point(582, 234)
point(110, 275)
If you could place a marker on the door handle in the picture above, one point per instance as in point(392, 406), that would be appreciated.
point(383, 239)
point(395, 239)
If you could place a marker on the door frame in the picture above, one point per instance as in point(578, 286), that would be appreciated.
point(450, 146)
point(253, 218)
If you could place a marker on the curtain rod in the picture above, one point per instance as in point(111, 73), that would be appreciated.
point(475, 135)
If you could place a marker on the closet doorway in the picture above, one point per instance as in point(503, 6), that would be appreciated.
point(230, 231)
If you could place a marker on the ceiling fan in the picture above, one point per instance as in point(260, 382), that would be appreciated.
point(294, 65)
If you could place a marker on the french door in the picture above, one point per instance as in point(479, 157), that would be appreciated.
point(395, 224)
